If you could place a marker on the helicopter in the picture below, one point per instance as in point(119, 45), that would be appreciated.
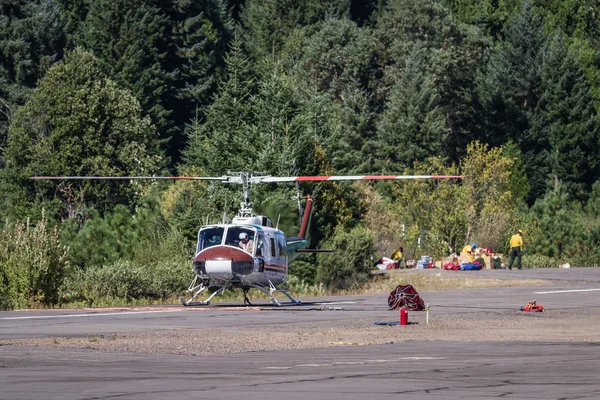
point(249, 252)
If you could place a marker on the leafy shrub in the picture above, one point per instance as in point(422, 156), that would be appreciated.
point(116, 235)
point(304, 271)
point(159, 269)
point(559, 226)
point(120, 280)
point(349, 266)
point(170, 277)
point(299, 287)
point(167, 261)
point(101, 240)
point(540, 261)
point(33, 265)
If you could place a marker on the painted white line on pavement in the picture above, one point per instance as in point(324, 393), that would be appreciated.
point(569, 291)
point(91, 314)
point(355, 362)
point(336, 302)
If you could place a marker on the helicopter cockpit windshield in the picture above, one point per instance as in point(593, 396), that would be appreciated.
point(209, 237)
point(241, 237)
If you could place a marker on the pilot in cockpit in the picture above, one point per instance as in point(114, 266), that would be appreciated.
point(246, 243)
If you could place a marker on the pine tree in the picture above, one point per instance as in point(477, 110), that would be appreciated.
point(511, 91)
point(226, 140)
point(168, 53)
point(129, 38)
point(269, 22)
point(566, 119)
point(412, 126)
point(491, 15)
point(516, 69)
point(579, 21)
point(559, 230)
point(73, 14)
point(539, 98)
point(336, 57)
point(32, 38)
point(331, 62)
point(452, 53)
point(201, 32)
point(277, 120)
point(351, 133)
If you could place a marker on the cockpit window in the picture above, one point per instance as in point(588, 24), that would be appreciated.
point(209, 237)
point(240, 237)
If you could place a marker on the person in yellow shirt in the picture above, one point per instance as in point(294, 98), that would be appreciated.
point(470, 250)
point(397, 256)
point(516, 248)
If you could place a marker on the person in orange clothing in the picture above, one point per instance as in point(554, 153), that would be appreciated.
point(516, 248)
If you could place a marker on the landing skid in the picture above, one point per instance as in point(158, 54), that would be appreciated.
point(199, 288)
point(274, 289)
point(196, 289)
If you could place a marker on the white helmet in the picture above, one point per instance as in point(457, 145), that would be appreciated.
point(243, 236)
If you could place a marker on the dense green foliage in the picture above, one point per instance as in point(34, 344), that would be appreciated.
point(33, 265)
point(505, 92)
point(77, 122)
point(348, 267)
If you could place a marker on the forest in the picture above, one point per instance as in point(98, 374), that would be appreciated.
point(505, 92)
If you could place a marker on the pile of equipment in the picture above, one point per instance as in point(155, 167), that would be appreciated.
point(454, 266)
point(532, 306)
point(471, 266)
point(425, 262)
point(387, 263)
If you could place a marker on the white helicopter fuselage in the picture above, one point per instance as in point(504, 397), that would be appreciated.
point(222, 257)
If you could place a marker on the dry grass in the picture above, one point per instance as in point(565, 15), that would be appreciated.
point(442, 280)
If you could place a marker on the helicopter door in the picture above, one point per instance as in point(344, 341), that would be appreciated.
point(276, 255)
point(269, 253)
point(282, 253)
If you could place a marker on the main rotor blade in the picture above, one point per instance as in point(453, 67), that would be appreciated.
point(254, 179)
point(268, 179)
point(173, 178)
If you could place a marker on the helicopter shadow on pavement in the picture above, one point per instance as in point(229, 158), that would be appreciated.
point(267, 306)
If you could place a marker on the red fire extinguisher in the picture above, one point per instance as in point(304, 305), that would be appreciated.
point(403, 316)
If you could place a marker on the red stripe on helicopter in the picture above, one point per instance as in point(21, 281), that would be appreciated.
point(275, 266)
point(274, 270)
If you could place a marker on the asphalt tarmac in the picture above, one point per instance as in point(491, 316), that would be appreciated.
point(412, 369)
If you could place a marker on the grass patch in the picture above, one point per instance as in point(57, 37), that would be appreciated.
point(442, 280)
